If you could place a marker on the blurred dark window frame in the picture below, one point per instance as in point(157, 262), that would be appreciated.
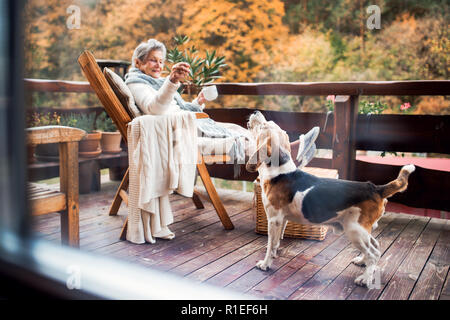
point(32, 268)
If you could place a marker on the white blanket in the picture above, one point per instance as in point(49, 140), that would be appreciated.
point(162, 153)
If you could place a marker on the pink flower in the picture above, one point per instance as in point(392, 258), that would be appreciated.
point(330, 98)
point(405, 106)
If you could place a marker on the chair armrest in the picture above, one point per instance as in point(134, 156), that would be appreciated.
point(201, 115)
point(53, 134)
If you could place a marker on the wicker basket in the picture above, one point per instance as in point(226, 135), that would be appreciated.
point(293, 230)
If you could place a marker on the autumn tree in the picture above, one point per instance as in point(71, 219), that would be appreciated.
point(262, 40)
point(47, 42)
point(244, 31)
point(116, 27)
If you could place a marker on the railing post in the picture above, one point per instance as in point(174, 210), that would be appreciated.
point(344, 147)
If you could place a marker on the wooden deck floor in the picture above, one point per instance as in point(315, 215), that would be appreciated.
point(414, 263)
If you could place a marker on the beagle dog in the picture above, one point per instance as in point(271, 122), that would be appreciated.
point(291, 194)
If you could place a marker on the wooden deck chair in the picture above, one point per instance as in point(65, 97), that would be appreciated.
point(121, 117)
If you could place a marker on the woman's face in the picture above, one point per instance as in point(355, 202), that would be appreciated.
point(153, 64)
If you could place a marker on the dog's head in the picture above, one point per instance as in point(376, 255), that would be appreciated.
point(273, 147)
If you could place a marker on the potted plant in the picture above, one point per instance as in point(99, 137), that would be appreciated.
point(89, 146)
point(111, 137)
point(43, 152)
point(203, 70)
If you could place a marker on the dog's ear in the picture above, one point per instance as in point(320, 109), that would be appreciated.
point(278, 153)
point(262, 154)
point(281, 157)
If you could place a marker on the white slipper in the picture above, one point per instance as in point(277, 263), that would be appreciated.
point(165, 233)
point(306, 145)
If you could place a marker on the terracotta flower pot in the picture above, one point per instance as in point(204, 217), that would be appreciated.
point(111, 142)
point(90, 145)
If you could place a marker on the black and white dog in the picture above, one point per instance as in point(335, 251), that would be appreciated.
point(291, 194)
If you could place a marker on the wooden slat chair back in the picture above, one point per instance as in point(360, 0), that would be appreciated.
point(121, 118)
point(44, 200)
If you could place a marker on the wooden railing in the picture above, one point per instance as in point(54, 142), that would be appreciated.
point(348, 131)
point(345, 132)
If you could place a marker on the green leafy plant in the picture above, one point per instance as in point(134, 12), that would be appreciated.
point(105, 123)
point(203, 70)
point(364, 107)
point(84, 121)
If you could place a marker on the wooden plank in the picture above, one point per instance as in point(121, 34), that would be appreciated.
point(343, 284)
point(432, 277)
point(48, 203)
point(404, 279)
point(209, 249)
point(44, 85)
point(201, 243)
point(104, 92)
point(199, 223)
point(210, 159)
point(344, 150)
point(332, 269)
point(294, 123)
point(215, 199)
point(218, 265)
point(186, 246)
point(264, 288)
point(53, 134)
point(445, 293)
point(412, 87)
point(217, 253)
point(68, 167)
point(124, 196)
point(309, 265)
point(392, 258)
point(93, 209)
point(433, 181)
point(197, 201)
point(42, 193)
point(390, 88)
point(404, 133)
point(117, 198)
point(243, 275)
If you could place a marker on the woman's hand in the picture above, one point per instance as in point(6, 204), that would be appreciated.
point(179, 72)
point(201, 98)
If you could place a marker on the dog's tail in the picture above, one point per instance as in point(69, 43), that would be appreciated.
point(398, 185)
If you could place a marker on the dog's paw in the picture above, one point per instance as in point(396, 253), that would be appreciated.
point(361, 281)
point(359, 261)
point(365, 280)
point(263, 265)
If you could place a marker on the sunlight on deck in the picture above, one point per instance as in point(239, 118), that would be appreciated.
point(414, 263)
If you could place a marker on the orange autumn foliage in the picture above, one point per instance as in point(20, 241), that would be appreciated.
point(243, 31)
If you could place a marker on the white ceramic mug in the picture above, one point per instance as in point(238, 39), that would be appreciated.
point(210, 93)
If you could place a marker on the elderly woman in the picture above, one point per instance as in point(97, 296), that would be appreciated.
point(156, 95)
point(161, 96)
